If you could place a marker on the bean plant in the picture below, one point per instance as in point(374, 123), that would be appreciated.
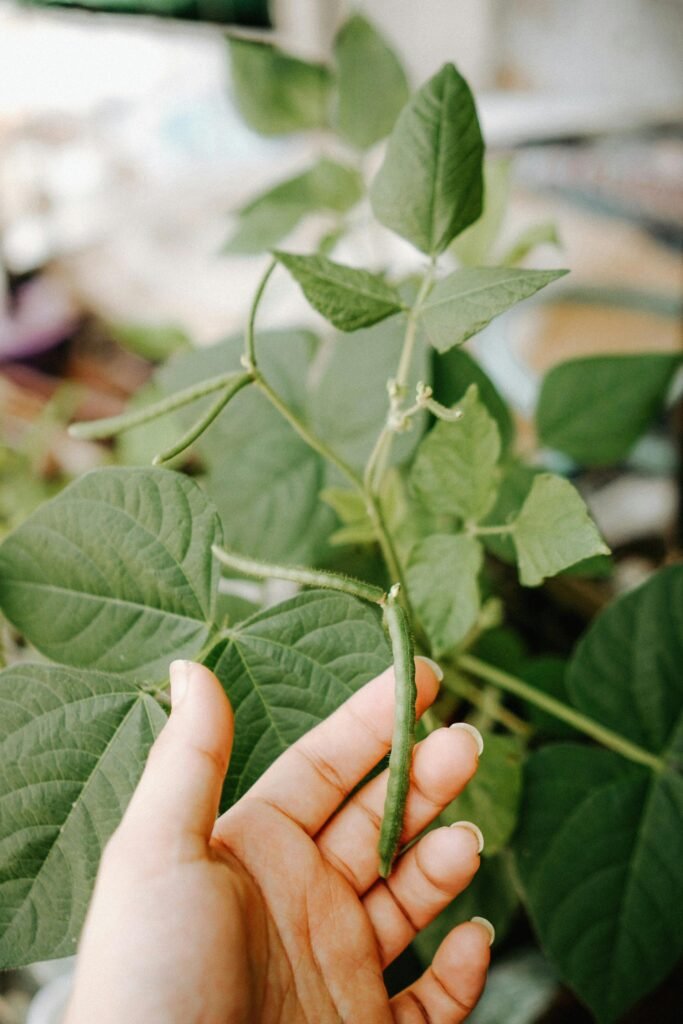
point(376, 468)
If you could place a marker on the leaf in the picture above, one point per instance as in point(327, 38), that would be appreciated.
point(465, 301)
point(492, 797)
point(548, 674)
point(371, 84)
point(519, 989)
point(454, 371)
point(361, 365)
point(277, 94)
point(595, 409)
point(429, 187)
point(553, 530)
point(267, 219)
point(491, 894)
point(443, 580)
point(544, 233)
point(264, 480)
point(600, 842)
point(473, 247)
point(116, 572)
point(289, 667)
point(350, 507)
point(455, 469)
point(150, 341)
point(72, 745)
point(253, 13)
point(347, 297)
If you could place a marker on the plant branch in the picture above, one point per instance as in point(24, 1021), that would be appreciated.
point(611, 740)
point(249, 359)
point(205, 420)
point(462, 687)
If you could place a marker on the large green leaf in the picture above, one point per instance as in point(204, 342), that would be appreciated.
point(443, 579)
point(519, 989)
point(600, 843)
point(596, 408)
point(473, 247)
point(287, 668)
point(553, 530)
point(371, 84)
point(265, 220)
point(454, 371)
point(264, 479)
point(72, 746)
point(242, 12)
point(116, 572)
point(275, 93)
point(491, 799)
point(347, 297)
point(455, 471)
point(430, 186)
point(467, 300)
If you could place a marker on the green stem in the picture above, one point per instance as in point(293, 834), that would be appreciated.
point(479, 531)
point(304, 577)
point(609, 739)
point(249, 337)
point(97, 429)
point(462, 687)
point(205, 420)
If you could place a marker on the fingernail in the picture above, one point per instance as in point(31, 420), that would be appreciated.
point(474, 733)
point(474, 829)
point(436, 669)
point(487, 925)
point(179, 673)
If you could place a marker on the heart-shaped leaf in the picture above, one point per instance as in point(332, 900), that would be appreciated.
point(443, 579)
point(116, 572)
point(72, 746)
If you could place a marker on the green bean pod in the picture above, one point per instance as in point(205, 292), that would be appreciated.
point(403, 740)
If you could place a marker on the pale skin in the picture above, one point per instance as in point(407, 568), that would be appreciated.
point(274, 913)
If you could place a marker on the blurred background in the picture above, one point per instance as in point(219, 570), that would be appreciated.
point(124, 156)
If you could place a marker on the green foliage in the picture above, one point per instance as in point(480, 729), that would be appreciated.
point(455, 468)
point(371, 84)
point(73, 744)
point(289, 667)
point(347, 297)
point(222, 12)
point(267, 219)
point(553, 530)
point(430, 186)
point(276, 93)
point(600, 842)
point(473, 247)
point(150, 341)
point(443, 577)
point(595, 409)
point(463, 303)
point(73, 581)
point(453, 372)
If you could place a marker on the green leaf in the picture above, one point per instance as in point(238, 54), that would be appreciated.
point(350, 507)
point(150, 341)
point(553, 530)
point(492, 797)
point(267, 219)
point(220, 12)
point(595, 409)
point(277, 94)
point(116, 572)
point(519, 989)
point(467, 300)
point(430, 186)
point(371, 84)
point(264, 480)
point(455, 471)
point(544, 233)
point(454, 371)
point(289, 667)
point(137, 447)
point(72, 746)
point(347, 297)
point(443, 579)
point(548, 674)
point(491, 894)
point(473, 247)
point(600, 842)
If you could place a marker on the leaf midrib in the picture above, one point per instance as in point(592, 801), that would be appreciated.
point(461, 296)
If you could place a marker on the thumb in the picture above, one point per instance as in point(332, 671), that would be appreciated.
point(179, 793)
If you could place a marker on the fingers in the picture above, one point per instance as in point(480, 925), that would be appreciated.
point(312, 777)
point(176, 801)
point(450, 988)
point(442, 765)
point(425, 880)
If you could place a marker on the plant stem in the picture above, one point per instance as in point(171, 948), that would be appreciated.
point(611, 740)
point(478, 531)
point(249, 337)
point(457, 684)
point(97, 429)
point(205, 420)
point(304, 577)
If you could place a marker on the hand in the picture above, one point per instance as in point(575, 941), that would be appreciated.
point(274, 912)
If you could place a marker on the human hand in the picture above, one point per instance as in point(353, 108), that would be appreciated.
point(274, 913)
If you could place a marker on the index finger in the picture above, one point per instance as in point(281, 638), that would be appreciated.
point(311, 779)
